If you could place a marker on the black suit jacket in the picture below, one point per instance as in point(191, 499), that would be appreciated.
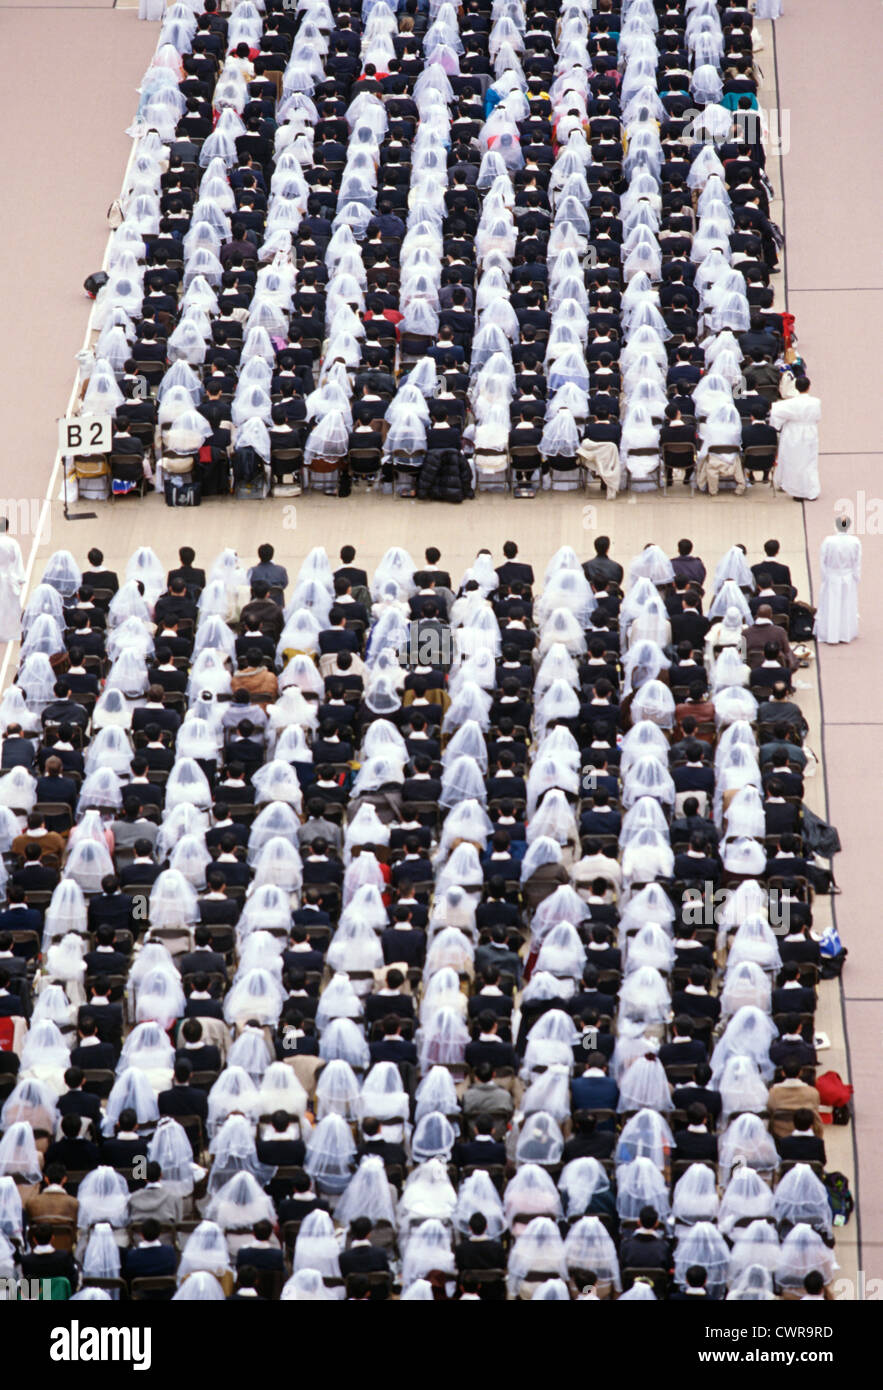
point(110, 909)
point(217, 913)
point(151, 1262)
point(407, 946)
point(183, 1100)
point(259, 1258)
point(479, 1254)
point(794, 1001)
point(782, 1051)
point(99, 1057)
point(202, 1058)
point(121, 1153)
point(108, 1019)
point(193, 577)
point(682, 1054)
point(211, 962)
point(78, 1155)
point(802, 1149)
point(281, 1153)
point(203, 1008)
point(101, 579)
point(696, 1005)
point(778, 573)
point(645, 1252)
point(107, 963)
point(21, 919)
point(362, 1260)
point(689, 1145)
point(334, 639)
point(17, 752)
point(499, 1004)
point(689, 626)
point(498, 1054)
point(480, 1153)
point(62, 789)
point(684, 1096)
point(393, 1155)
point(80, 1103)
point(599, 1144)
point(393, 1051)
point(378, 1006)
point(514, 572)
point(139, 875)
point(59, 1265)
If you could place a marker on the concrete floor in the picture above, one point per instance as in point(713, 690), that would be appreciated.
point(73, 171)
point(833, 174)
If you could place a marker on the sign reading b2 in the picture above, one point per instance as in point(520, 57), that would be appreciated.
point(85, 434)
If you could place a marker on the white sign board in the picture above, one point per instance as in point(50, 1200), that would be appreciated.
point(85, 434)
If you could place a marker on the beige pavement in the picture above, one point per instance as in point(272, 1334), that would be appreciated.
point(64, 160)
point(828, 62)
point(73, 171)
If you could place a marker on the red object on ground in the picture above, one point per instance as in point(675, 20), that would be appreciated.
point(834, 1092)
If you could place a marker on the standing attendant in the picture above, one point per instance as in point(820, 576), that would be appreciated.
point(841, 565)
point(796, 417)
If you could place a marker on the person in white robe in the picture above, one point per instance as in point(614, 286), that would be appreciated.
point(152, 10)
point(796, 417)
point(840, 561)
point(768, 9)
point(12, 581)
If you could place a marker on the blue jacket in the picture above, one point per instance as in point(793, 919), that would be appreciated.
point(594, 1093)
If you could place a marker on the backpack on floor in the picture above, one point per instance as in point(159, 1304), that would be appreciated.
point(840, 1198)
point(179, 493)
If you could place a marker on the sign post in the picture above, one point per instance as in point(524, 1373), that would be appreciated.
point(82, 434)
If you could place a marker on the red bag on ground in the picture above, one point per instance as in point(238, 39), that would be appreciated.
point(834, 1094)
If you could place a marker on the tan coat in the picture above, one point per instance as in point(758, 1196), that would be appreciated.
point(260, 683)
point(48, 1206)
point(792, 1095)
point(50, 843)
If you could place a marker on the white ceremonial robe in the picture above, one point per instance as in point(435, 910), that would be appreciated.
point(797, 469)
point(768, 9)
point(841, 566)
point(12, 579)
point(151, 9)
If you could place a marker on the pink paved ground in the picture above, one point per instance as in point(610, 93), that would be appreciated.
point(66, 158)
point(65, 153)
point(829, 60)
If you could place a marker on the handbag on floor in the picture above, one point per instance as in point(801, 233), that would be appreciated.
point(179, 493)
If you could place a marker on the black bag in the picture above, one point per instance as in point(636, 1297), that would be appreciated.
point(819, 836)
point(831, 969)
point(822, 880)
point(93, 283)
point(181, 494)
point(802, 622)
